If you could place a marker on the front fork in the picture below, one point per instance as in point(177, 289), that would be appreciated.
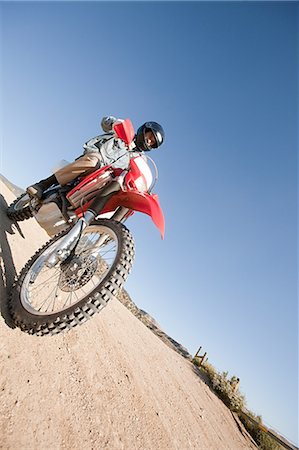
point(68, 243)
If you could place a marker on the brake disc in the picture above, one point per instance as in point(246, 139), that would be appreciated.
point(77, 272)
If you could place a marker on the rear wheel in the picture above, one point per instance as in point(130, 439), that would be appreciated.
point(48, 301)
point(20, 209)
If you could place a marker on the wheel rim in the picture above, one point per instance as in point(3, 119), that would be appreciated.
point(22, 203)
point(48, 291)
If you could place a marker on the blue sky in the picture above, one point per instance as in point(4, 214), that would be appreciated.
point(222, 78)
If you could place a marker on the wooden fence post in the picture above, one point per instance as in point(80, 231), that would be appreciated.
point(200, 357)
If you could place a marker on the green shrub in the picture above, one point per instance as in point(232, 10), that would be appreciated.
point(251, 427)
point(231, 397)
point(209, 370)
point(223, 386)
point(265, 442)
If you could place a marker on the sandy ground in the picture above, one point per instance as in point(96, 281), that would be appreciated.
point(108, 384)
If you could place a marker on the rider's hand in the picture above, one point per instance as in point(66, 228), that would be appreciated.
point(107, 123)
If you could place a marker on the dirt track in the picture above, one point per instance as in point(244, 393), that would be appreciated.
point(109, 384)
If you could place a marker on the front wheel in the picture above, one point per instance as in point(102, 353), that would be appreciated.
point(20, 209)
point(48, 301)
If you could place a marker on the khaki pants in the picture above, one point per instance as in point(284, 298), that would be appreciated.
point(86, 164)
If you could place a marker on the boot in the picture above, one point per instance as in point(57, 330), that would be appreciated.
point(36, 190)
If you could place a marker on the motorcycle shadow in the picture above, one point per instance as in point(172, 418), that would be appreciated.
point(7, 268)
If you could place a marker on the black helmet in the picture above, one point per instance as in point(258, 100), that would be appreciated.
point(157, 131)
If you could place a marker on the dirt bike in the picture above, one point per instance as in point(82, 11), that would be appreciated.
point(91, 252)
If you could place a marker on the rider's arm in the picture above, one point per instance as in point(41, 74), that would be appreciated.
point(113, 151)
point(95, 144)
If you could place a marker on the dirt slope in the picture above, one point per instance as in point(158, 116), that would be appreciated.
point(109, 384)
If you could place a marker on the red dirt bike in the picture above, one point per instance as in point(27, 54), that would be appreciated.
point(82, 267)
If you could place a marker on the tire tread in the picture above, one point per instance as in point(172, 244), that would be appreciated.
point(18, 215)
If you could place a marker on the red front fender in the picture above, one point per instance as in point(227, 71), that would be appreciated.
point(142, 202)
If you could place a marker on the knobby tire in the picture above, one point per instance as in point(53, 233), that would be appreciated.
point(83, 310)
point(16, 214)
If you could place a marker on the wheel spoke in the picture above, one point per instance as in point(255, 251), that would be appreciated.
point(55, 294)
point(48, 298)
point(67, 299)
point(43, 283)
point(107, 251)
point(99, 250)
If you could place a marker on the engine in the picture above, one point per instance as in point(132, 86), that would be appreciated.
point(51, 219)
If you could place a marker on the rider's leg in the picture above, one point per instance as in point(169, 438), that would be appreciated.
point(83, 165)
point(37, 189)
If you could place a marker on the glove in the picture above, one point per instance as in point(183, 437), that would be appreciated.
point(107, 123)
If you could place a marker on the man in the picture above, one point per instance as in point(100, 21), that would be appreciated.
point(100, 151)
